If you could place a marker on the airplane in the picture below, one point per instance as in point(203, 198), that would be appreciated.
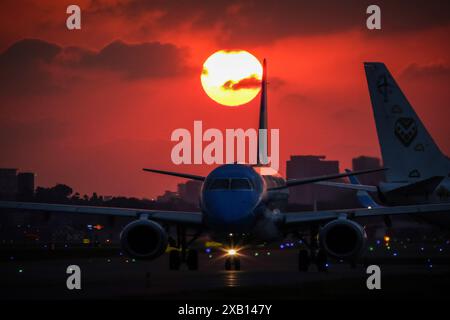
point(418, 172)
point(364, 198)
point(240, 206)
point(433, 223)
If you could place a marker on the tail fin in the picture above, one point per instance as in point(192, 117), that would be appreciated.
point(407, 148)
point(262, 158)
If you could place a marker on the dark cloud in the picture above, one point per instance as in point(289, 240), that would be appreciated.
point(28, 66)
point(256, 22)
point(25, 67)
point(135, 61)
point(247, 83)
point(276, 83)
point(29, 51)
point(415, 71)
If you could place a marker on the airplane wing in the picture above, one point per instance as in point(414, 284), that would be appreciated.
point(298, 218)
point(174, 217)
point(298, 182)
point(343, 185)
point(176, 174)
point(420, 187)
point(362, 193)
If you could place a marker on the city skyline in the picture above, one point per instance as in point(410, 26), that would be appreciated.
point(185, 189)
point(92, 107)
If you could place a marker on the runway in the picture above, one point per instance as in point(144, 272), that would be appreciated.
point(263, 276)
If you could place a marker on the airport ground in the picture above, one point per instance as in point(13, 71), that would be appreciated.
point(263, 276)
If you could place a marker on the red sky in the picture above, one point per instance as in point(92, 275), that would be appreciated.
point(90, 108)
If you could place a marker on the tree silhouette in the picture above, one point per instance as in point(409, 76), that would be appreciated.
point(59, 193)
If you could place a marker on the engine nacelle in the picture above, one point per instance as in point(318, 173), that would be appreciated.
point(144, 239)
point(343, 239)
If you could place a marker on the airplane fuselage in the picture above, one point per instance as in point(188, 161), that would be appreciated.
point(235, 200)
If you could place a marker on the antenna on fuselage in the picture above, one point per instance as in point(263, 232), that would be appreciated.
point(262, 158)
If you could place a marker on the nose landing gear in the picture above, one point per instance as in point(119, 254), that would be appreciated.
point(231, 262)
point(232, 259)
point(182, 254)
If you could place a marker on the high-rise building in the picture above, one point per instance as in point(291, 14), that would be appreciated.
point(15, 185)
point(364, 163)
point(307, 166)
point(190, 191)
point(25, 185)
point(8, 183)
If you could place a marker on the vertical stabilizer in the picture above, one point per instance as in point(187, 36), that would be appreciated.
point(407, 148)
point(262, 132)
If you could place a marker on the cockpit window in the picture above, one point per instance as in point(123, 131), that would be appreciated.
point(240, 184)
point(233, 184)
point(219, 184)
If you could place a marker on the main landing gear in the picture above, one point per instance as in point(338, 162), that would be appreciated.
point(307, 257)
point(312, 254)
point(176, 259)
point(182, 254)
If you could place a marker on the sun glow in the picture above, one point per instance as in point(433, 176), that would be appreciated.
point(231, 78)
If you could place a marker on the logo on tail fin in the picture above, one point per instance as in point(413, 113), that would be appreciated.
point(406, 130)
point(384, 87)
point(414, 174)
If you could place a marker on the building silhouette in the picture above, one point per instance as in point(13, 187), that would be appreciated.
point(190, 191)
point(8, 183)
point(364, 163)
point(300, 166)
point(25, 185)
point(16, 186)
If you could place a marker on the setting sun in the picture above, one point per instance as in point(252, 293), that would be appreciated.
point(231, 78)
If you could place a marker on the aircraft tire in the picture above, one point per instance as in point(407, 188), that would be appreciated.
point(321, 261)
point(174, 260)
point(192, 260)
point(228, 263)
point(303, 260)
point(237, 264)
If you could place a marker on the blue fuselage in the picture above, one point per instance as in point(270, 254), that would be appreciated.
point(234, 199)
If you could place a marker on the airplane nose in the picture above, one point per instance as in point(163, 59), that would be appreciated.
point(230, 210)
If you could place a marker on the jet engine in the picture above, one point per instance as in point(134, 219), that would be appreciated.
point(342, 238)
point(144, 239)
